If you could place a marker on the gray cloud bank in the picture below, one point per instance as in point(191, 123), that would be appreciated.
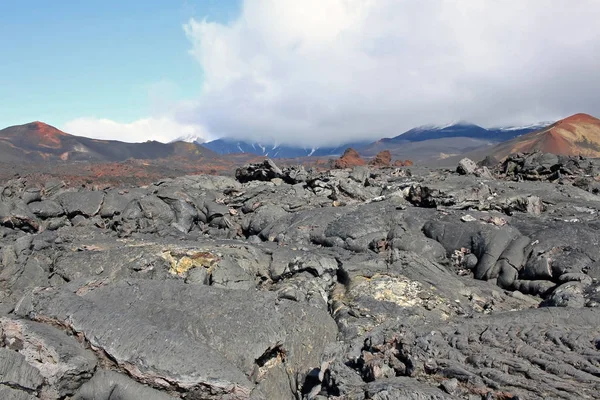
point(322, 72)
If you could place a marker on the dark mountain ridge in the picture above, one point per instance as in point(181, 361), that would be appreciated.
point(40, 142)
point(232, 146)
point(398, 145)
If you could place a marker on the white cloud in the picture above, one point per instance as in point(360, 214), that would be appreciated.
point(162, 129)
point(323, 71)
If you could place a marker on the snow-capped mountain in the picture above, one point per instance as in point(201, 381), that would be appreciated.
point(420, 134)
point(231, 146)
point(189, 138)
point(464, 129)
point(533, 127)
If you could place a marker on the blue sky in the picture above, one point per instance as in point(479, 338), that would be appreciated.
point(306, 72)
point(65, 59)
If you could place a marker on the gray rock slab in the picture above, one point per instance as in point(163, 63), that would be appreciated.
point(8, 393)
point(16, 372)
point(46, 209)
point(62, 361)
point(110, 385)
point(81, 203)
point(115, 202)
point(190, 337)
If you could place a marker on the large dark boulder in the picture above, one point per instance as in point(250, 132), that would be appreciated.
point(46, 209)
point(264, 171)
point(81, 203)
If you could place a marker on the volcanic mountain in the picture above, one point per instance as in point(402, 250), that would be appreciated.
point(233, 146)
point(578, 134)
point(428, 144)
point(39, 142)
point(422, 143)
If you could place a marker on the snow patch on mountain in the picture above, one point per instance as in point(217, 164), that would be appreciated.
point(535, 126)
point(189, 138)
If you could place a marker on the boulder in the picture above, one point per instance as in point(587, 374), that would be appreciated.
point(264, 171)
point(466, 166)
point(46, 209)
point(81, 203)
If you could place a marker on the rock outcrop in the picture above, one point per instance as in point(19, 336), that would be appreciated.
point(349, 159)
point(382, 159)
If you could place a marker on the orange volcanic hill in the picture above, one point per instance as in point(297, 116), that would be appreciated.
point(34, 134)
point(578, 134)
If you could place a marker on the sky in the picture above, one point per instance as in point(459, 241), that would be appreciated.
point(310, 72)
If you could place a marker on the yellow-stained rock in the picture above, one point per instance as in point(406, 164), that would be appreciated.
point(401, 291)
point(181, 263)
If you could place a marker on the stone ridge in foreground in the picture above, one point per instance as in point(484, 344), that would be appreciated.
point(288, 283)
